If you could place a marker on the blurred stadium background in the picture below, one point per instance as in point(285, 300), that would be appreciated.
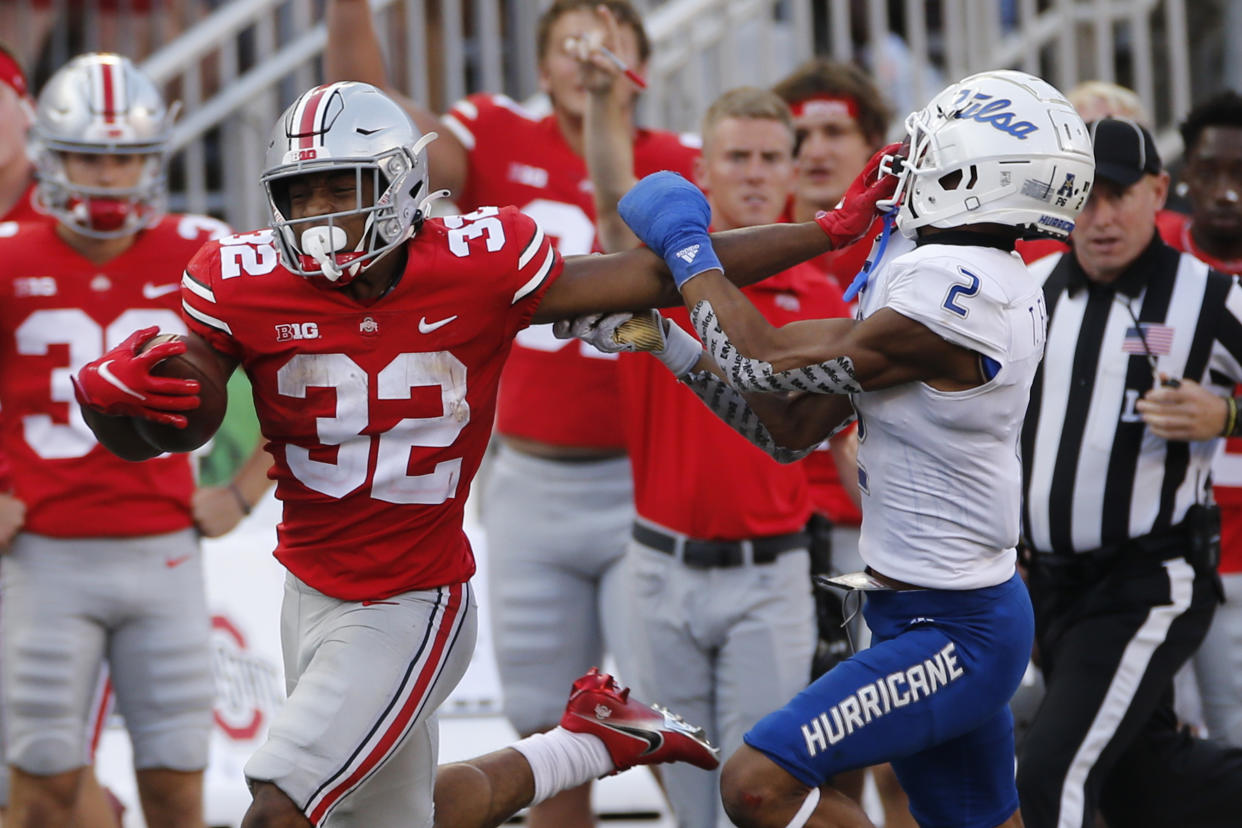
point(235, 64)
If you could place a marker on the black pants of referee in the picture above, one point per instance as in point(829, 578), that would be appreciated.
point(1111, 636)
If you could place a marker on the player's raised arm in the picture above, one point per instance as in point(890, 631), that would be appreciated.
point(639, 279)
point(839, 356)
point(353, 53)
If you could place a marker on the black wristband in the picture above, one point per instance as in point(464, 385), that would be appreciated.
point(241, 500)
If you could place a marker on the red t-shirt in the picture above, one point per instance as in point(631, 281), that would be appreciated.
point(828, 496)
point(561, 392)
point(377, 414)
point(1227, 470)
point(59, 311)
point(694, 474)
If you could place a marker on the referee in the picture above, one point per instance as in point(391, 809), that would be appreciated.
point(1144, 346)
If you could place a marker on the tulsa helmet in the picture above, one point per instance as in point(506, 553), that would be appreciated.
point(100, 104)
point(354, 128)
point(998, 147)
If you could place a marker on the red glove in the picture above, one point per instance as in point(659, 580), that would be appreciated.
point(857, 210)
point(119, 383)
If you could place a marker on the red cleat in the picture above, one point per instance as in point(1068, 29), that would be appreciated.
point(633, 733)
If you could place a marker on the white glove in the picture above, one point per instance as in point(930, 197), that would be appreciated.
point(677, 349)
point(596, 329)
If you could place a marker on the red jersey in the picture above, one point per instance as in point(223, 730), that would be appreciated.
point(828, 497)
point(23, 210)
point(694, 474)
point(561, 392)
point(59, 311)
point(377, 414)
point(1227, 470)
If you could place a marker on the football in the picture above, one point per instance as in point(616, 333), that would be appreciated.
point(197, 363)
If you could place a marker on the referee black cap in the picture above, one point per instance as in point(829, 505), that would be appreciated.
point(1124, 151)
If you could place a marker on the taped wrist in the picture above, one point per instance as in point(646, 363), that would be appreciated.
point(834, 376)
point(690, 255)
point(731, 407)
point(681, 350)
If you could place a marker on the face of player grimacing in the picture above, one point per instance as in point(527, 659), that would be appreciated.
point(831, 152)
point(325, 193)
point(1117, 224)
point(1214, 179)
point(560, 74)
point(747, 170)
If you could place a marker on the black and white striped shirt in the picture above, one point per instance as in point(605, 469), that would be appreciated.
point(1094, 475)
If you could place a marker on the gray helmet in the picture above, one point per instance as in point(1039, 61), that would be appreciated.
point(347, 126)
point(100, 104)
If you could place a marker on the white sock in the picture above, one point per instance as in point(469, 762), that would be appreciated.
point(561, 759)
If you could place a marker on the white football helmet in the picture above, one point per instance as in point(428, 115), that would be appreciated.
point(100, 104)
point(999, 147)
point(337, 127)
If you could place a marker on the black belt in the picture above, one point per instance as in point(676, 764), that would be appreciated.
point(707, 554)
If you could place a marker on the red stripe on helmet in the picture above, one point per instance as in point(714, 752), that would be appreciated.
point(306, 127)
point(109, 92)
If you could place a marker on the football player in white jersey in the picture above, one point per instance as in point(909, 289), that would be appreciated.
point(938, 367)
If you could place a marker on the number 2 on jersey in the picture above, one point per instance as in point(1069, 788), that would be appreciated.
point(962, 292)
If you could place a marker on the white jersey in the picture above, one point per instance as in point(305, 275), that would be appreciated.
point(939, 472)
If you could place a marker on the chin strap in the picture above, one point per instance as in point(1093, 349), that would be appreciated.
point(860, 280)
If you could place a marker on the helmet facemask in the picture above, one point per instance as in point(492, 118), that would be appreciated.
point(317, 246)
point(101, 212)
point(346, 129)
point(100, 104)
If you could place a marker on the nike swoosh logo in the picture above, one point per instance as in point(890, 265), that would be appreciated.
point(112, 380)
point(373, 603)
point(150, 291)
point(654, 739)
point(427, 327)
point(172, 563)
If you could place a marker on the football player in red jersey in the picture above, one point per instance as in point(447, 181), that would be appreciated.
point(373, 340)
point(16, 185)
point(557, 494)
point(74, 283)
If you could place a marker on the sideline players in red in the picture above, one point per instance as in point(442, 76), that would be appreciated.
point(17, 185)
point(557, 494)
point(73, 285)
point(373, 340)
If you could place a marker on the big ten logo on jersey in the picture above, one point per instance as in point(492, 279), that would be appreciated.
point(251, 253)
point(59, 432)
point(289, 331)
point(573, 233)
point(34, 286)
